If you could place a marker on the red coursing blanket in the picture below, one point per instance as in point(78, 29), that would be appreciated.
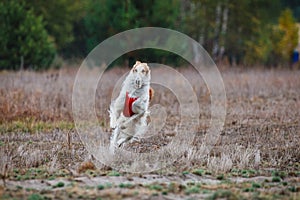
point(128, 105)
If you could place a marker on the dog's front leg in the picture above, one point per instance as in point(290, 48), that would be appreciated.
point(140, 106)
point(115, 110)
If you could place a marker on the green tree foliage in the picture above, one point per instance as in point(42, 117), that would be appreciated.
point(200, 21)
point(244, 22)
point(274, 44)
point(245, 31)
point(224, 25)
point(60, 17)
point(289, 39)
point(105, 18)
point(259, 49)
point(24, 40)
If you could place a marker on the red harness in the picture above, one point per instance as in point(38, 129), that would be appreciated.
point(128, 105)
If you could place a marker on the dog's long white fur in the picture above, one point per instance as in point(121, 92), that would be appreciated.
point(137, 84)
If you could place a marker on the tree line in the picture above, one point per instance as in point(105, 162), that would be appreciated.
point(246, 32)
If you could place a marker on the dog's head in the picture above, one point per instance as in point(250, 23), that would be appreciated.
point(141, 73)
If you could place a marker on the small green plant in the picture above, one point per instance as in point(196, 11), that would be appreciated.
point(19, 187)
point(28, 189)
point(220, 177)
point(245, 173)
point(91, 173)
point(198, 172)
point(206, 191)
point(185, 172)
point(276, 179)
point(62, 173)
point(108, 185)
point(190, 183)
point(59, 185)
point(207, 173)
point(275, 173)
point(125, 185)
point(256, 185)
point(113, 173)
point(51, 178)
point(155, 187)
point(248, 190)
point(281, 174)
point(100, 187)
point(38, 170)
point(266, 181)
point(192, 190)
point(234, 170)
point(26, 177)
point(292, 188)
point(35, 197)
point(18, 177)
point(252, 171)
point(284, 183)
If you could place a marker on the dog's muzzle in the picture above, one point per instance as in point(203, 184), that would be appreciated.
point(138, 82)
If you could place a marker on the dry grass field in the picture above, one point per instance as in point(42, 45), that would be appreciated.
point(257, 155)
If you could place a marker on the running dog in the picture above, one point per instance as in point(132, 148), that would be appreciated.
point(129, 111)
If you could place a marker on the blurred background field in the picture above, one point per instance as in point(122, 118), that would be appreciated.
point(257, 154)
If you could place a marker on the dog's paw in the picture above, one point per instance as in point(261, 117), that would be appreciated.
point(121, 142)
point(135, 139)
point(113, 125)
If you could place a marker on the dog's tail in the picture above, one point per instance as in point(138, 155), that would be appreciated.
point(151, 93)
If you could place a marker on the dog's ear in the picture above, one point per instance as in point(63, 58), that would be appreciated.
point(147, 68)
point(135, 65)
point(151, 93)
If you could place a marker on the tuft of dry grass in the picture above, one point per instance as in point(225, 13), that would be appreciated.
point(86, 166)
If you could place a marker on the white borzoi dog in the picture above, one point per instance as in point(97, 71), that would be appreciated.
point(129, 111)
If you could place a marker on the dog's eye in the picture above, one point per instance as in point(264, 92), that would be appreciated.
point(143, 71)
point(134, 70)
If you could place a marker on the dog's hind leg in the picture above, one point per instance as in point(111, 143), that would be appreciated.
point(113, 115)
point(118, 138)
